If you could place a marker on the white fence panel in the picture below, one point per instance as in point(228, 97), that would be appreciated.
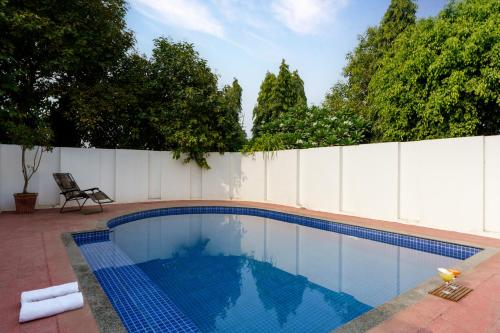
point(11, 177)
point(370, 180)
point(175, 184)
point(492, 184)
point(282, 177)
point(196, 181)
point(410, 189)
point(132, 180)
point(107, 170)
point(216, 181)
point(251, 184)
point(446, 178)
point(154, 175)
point(48, 191)
point(320, 179)
point(234, 175)
point(88, 173)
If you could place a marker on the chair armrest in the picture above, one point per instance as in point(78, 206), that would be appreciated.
point(92, 189)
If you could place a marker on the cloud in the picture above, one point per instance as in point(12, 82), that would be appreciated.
point(187, 14)
point(244, 12)
point(306, 16)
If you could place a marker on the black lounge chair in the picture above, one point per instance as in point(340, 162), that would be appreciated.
point(71, 192)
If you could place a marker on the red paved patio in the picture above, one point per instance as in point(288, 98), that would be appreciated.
point(33, 256)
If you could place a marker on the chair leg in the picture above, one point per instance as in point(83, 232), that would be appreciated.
point(62, 208)
point(92, 212)
point(71, 210)
point(83, 204)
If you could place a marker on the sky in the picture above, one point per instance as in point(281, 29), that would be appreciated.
point(244, 39)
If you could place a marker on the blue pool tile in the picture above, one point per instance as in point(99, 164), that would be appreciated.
point(141, 306)
point(416, 243)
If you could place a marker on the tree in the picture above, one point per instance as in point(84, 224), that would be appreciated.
point(277, 95)
point(262, 111)
point(364, 61)
point(48, 50)
point(185, 102)
point(441, 77)
point(168, 102)
point(100, 44)
point(232, 126)
point(116, 112)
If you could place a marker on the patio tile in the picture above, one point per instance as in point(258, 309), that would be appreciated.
point(476, 318)
point(431, 306)
point(45, 325)
point(441, 325)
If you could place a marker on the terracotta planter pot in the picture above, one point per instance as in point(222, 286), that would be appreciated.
point(25, 202)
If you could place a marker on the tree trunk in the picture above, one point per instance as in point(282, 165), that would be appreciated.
point(25, 173)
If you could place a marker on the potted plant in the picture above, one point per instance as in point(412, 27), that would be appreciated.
point(34, 141)
point(26, 201)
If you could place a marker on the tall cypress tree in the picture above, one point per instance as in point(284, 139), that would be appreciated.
point(278, 94)
point(232, 126)
point(262, 111)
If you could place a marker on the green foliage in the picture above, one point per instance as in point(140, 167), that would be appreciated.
point(48, 50)
point(309, 127)
point(262, 111)
point(231, 120)
point(185, 101)
point(277, 95)
point(265, 142)
point(46, 44)
point(442, 77)
point(168, 102)
point(116, 112)
point(364, 61)
point(282, 119)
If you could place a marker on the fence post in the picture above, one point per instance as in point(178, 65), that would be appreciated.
point(297, 179)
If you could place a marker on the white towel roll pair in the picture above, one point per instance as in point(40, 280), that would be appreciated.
point(50, 301)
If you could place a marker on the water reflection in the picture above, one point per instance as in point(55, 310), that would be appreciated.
point(229, 272)
point(277, 289)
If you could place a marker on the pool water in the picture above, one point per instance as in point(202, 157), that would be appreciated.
point(239, 273)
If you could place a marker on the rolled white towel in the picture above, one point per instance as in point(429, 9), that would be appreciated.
point(49, 307)
point(50, 292)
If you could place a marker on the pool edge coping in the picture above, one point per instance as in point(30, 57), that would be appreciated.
point(362, 323)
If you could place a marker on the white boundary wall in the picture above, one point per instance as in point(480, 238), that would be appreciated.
point(451, 184)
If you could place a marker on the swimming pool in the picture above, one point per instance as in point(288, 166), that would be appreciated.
point(230, 269)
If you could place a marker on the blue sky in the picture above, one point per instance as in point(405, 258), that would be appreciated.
point(247, 38)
